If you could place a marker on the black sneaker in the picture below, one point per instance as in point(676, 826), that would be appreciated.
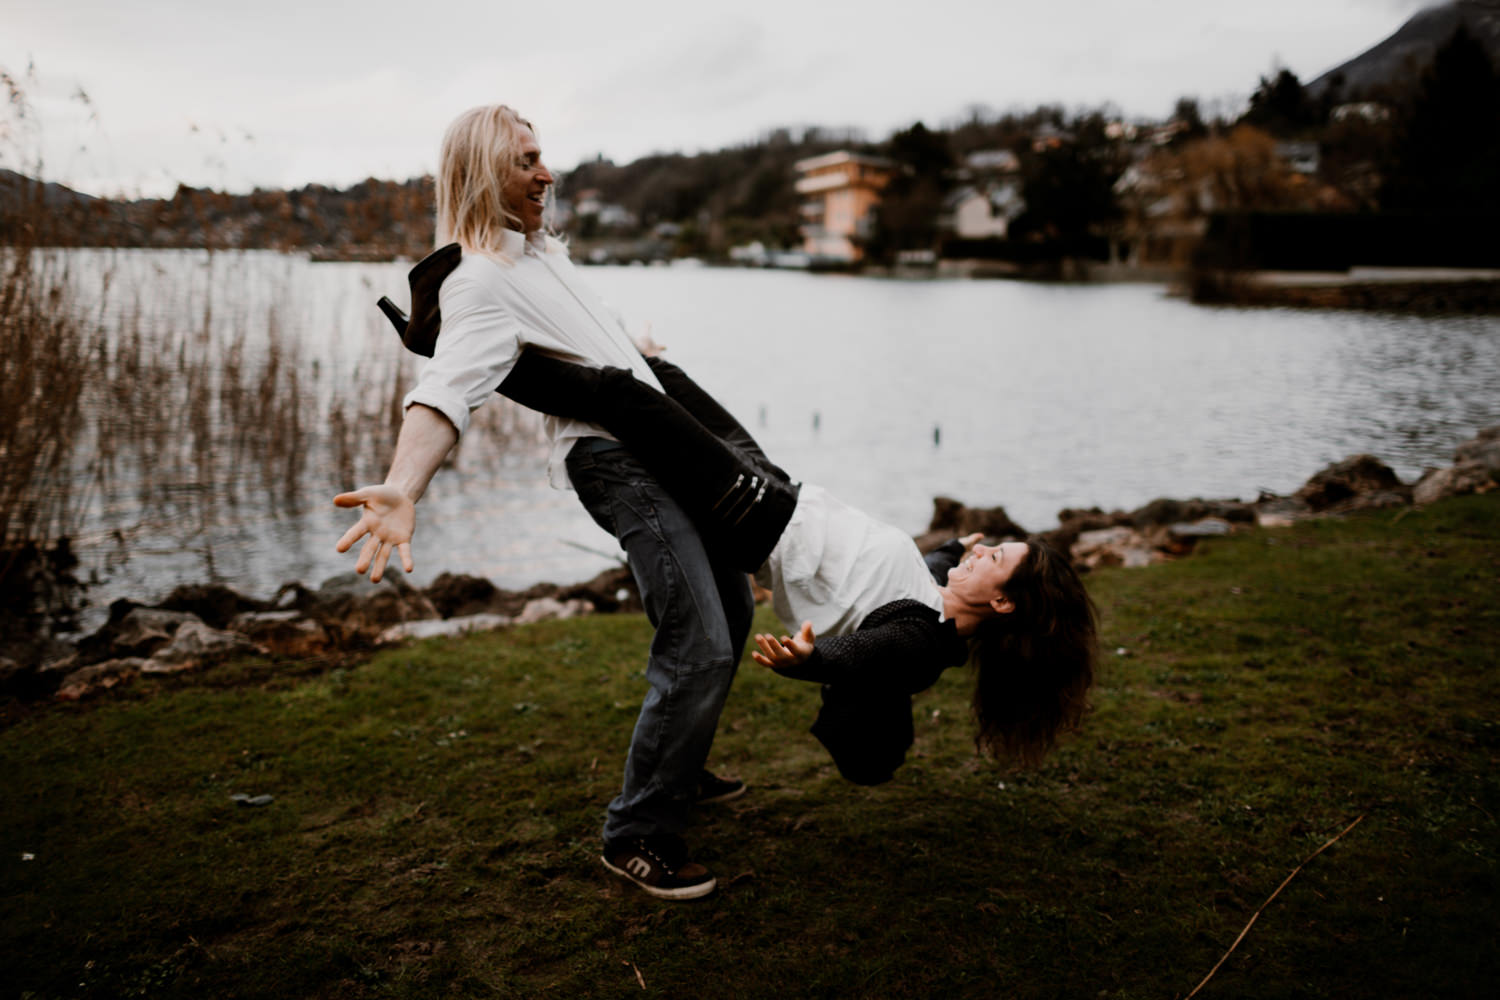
point(660, 866)
point(712, 788)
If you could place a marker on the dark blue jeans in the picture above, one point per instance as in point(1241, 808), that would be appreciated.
point(701, 609)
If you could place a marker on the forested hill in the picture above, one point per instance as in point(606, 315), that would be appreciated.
point(749, 187)
point(379, 218)
point(741, 193)
point(1395, 64)
point(746, 190)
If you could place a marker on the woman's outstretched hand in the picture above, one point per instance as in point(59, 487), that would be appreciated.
point(788, 651)
point(389, 518)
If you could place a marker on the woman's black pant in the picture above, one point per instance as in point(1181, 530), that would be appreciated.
point(739, 499)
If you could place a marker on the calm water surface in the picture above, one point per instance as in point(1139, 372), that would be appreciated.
point(1035, 397)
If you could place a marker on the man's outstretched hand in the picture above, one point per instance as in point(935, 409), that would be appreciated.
point(786, 652)
point(388, 518)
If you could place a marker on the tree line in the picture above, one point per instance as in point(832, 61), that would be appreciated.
point(1432, 146)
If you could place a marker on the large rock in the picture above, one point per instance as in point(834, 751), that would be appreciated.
point(1482, 449)
point(432, 628)
point(215, 604)
point(1117, 546)
point(196, 645)
point(1475, 469)
point(1456, 480)
point(1091, 518)
point(458, 594)
point(1358, 482)
point(287, 633)
point(612, 590)
point(1208, 527)
point(547, 608)
point(1072, 522)
point(293, 597)
point(959, 519)
point(1163, 512)
point(952, 519)
point(350, 604)
point(86, 680)
point(141, 632)
point(1272, 511)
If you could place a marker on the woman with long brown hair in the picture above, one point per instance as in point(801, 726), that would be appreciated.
point(867, 615)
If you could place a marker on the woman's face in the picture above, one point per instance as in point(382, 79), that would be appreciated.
point(525, 190)
point(985, 570)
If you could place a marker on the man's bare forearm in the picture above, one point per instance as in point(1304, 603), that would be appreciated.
point(426, 438)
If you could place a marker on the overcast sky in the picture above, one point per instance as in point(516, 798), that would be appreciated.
point(279, 93)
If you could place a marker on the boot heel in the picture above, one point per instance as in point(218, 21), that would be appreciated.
point(394, 314)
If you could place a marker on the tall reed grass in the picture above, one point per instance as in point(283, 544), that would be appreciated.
point(159, 420)
point(43, 366)
point(158, 412)
point(45, 351)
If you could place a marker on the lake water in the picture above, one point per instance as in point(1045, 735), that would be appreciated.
point(888, 392)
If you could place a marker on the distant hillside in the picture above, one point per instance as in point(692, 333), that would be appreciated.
point(372, 218)
point(719, 198)
point(1394, 65)
point(14, 186)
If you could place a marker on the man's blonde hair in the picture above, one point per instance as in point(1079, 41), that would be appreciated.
point(481, 149)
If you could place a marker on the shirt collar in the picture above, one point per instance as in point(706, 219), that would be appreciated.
point(513, 243)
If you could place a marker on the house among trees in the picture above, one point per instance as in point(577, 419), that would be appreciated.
point(590, 205)
point(1372, 112)
point(984, 211)
point(1301, 156)
point(987, 198)
point(841, 191)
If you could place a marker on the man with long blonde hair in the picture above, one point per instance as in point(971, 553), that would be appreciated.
point(515, 288)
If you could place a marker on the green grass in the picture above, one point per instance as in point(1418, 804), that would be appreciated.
point(434, 829)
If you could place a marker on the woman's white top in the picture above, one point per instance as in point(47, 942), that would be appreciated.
point(834, 564)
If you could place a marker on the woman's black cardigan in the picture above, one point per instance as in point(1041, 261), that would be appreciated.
point(869, 676)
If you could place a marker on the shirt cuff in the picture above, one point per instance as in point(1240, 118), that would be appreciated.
point(447, 402)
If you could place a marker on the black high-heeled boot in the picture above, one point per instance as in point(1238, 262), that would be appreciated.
point(740, 503)
point(420, 332)
point(708, 412)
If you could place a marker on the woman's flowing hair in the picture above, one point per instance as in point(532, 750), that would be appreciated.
point(1035, 664)
point(481, 149)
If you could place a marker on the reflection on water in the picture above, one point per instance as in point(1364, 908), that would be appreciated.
point(1038, 396)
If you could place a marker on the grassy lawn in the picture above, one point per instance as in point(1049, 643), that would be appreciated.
point(436, 811)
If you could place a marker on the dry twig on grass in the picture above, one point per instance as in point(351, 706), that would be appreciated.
point(1267, 903)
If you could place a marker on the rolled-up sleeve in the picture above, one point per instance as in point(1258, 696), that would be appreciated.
point(480, 342)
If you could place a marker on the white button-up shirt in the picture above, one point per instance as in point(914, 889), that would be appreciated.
point(834, 564)
point(493, 309)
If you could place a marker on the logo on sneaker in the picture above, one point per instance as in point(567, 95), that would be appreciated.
point(638, 866)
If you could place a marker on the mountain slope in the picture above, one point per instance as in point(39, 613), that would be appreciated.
point(14, 186)
point(1396, 63)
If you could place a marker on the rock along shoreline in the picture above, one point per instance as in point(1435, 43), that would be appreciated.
point(199, 626)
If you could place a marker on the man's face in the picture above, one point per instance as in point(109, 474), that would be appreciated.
point(527, 186)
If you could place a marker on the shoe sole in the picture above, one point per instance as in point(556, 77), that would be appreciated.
point(725, 796)
point(686, 892)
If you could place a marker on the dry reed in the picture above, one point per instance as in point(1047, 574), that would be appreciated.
point(42, 382)
point(132, 423)
point(152, 418)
